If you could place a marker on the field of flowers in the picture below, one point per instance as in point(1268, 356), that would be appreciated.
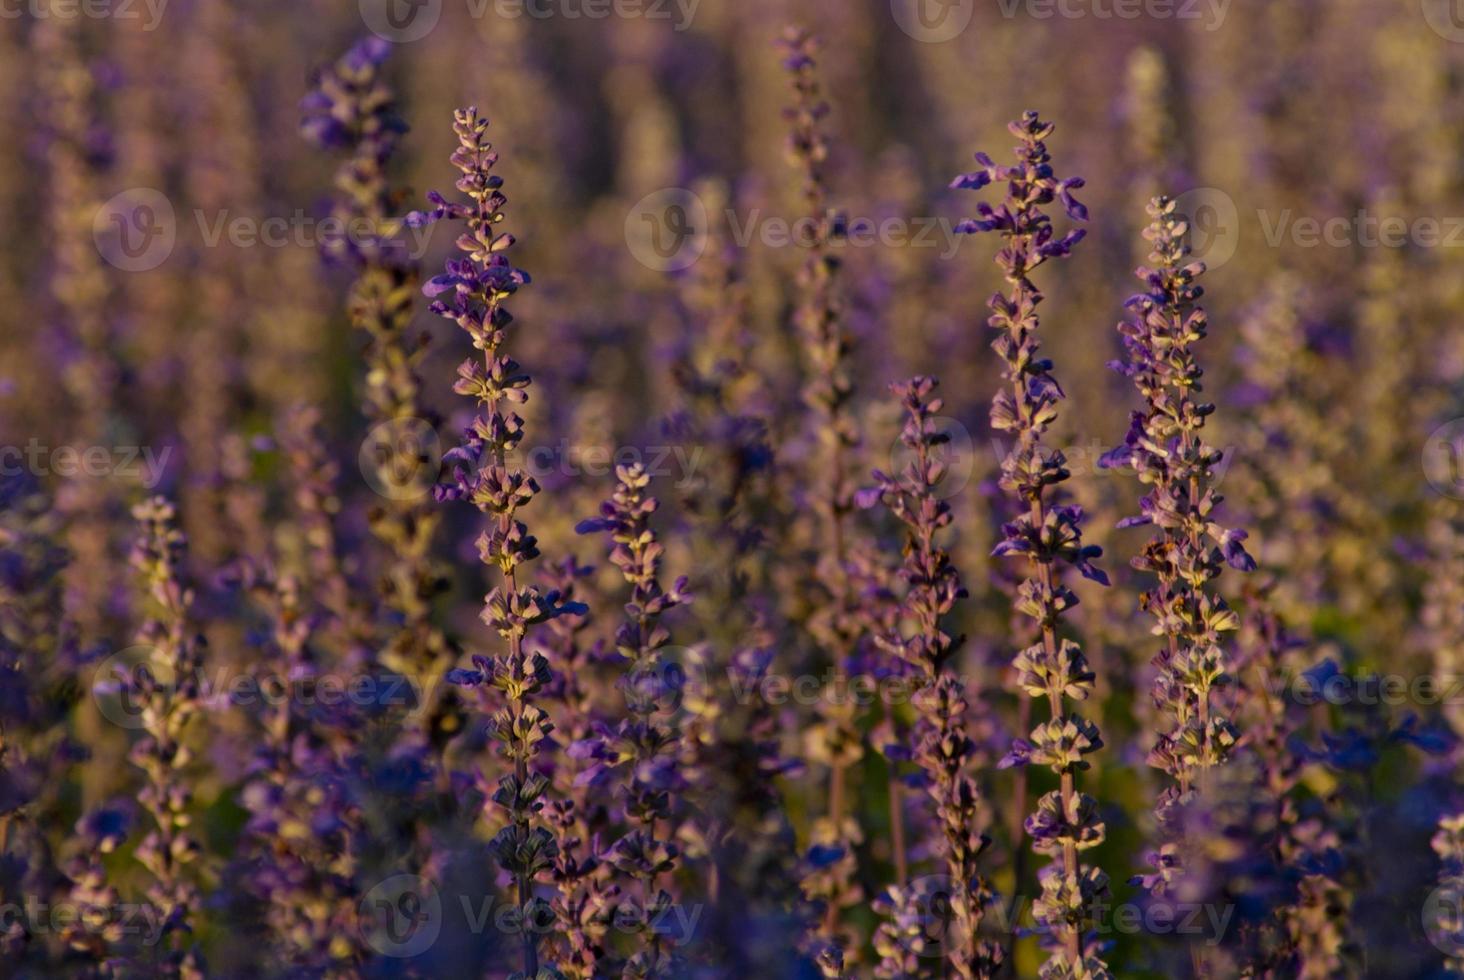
point(731, 488)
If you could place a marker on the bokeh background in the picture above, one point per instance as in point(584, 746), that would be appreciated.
point(163, 297)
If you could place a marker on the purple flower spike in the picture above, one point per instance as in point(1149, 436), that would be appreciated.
point(1049, 536)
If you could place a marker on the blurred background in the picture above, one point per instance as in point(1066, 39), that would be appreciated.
point(163, 294)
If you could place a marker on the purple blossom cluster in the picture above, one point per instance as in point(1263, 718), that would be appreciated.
point(1049, 536)
point(1165, 446)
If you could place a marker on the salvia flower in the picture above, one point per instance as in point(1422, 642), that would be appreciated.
point(313, 478)
point(166, 691)
point(99, 832)
point(646, 742)
point(353, 108)
point(303, 840)
point(1049, 535)
point(943, 748)
point(1289, 856)
point(586, 894)
point(1165, 446)
point(827, 393)
point(471, 294)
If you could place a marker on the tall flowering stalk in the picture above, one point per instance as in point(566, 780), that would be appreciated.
point(36, 648)
point(1049, 535)
point(473, 291)
point(353, 108)
point(943, 747)
point(1299, 933)
point(37, 657)
point(827, 393)
point(166, 692)
point(742, 838)
point(303, 847)
point(313, 478)
point(585, 891)
point(1165, 445)
point(647, 742)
